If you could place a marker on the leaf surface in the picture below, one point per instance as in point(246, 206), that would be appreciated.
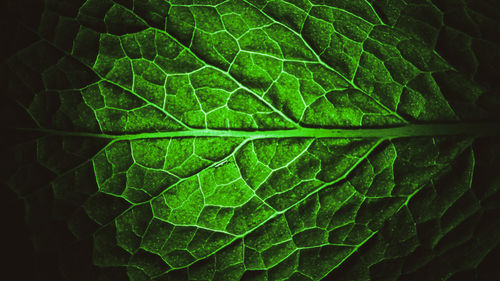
point(257, 140)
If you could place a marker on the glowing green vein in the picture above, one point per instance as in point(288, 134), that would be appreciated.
point(450, 129)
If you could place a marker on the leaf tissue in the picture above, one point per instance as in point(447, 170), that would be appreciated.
point(256, 140)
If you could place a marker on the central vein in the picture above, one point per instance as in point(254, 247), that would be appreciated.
point(450, 129)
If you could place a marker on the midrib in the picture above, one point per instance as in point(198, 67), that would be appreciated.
point(420, 130)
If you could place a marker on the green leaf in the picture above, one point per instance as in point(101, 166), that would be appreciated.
point(258, 140)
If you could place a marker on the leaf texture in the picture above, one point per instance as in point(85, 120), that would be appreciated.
point(257, 140)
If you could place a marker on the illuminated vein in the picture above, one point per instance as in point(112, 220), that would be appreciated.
point(420, 130)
